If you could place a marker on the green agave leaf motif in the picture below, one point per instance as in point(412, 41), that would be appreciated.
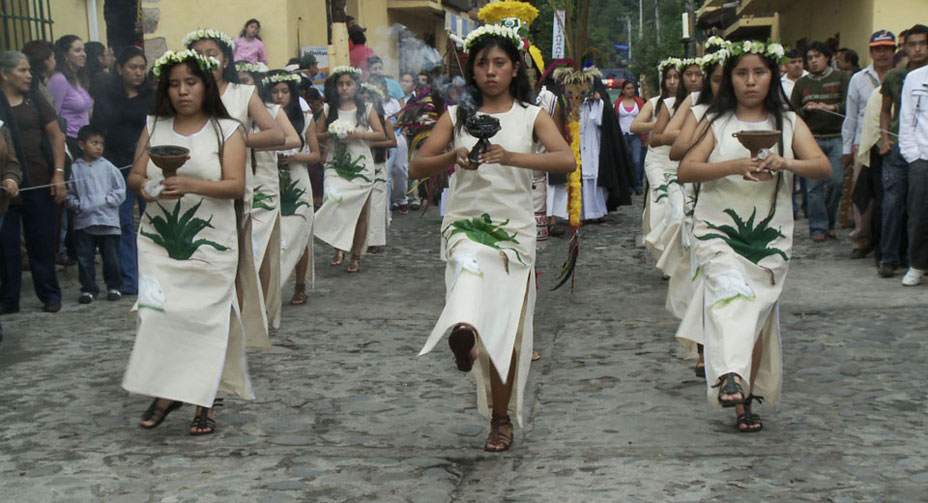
point(346, 167)
point(482, 230)
point(261, 199)
point(290, 195)
point(176, 234)
point(662, 191)
point(746, 240)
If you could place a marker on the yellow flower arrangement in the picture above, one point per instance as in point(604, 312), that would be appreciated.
point(495, 12)
point(574, 180)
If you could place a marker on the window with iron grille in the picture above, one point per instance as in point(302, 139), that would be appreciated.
point(24, 20)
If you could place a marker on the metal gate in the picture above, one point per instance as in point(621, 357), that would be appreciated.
point(24, 20)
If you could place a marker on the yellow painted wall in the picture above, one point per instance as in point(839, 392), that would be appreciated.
point(898, 15)
point(822, 19)
point(70, 18)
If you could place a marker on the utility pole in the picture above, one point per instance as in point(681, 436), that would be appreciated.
point(640, 18)
point(628, 24)
point(657, 20)
point(691, 50)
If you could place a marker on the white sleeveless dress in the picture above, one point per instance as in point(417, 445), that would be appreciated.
point(346, 191)
point(378, 217)
point(296, 219)
point(743, 239)
point(189, 341)
point(657, 204)
point(265, 219)
point(685, 279)
point(488, 245)
point(254, 313)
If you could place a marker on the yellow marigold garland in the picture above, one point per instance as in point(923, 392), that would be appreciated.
point(497, 11)
point(574, 180)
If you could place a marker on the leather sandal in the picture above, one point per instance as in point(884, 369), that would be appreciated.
point(299, 295)
point(202, 421)
point(355, 264)
point(338, 259)
point(751, 422)
point(728, 385)
point(462, 340)
point(501, 434)
point(158, 415)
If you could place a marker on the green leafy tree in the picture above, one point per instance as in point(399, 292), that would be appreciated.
point(176, 234)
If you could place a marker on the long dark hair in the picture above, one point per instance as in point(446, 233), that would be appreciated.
point(665, 93)
point(519, 88)
point(123, 57)
point(682, 92)
point(706, 95)
point(332, 99)
point(62, 47)
point(294, 110)
point(229, 73)
point(245, 28)
point(94, 50)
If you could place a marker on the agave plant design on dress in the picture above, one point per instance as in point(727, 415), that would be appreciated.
point(262, 199)
point(176, 234)
point(748, 241)
point(482, 230)
point(663, 191)
point(289, 194)
point(346, 167)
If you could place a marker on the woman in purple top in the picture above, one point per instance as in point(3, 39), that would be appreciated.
point(248, 45)
point(69, 85)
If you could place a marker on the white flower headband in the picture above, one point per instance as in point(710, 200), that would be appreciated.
point(718, 57)
point(171, 58)
point(373, 89)
point(216, 35)
point(246, 66)
point(674, 62)
point(345, 69)
point(277, 78)
point(496, 30)
point(771, 49)
point(717, 41)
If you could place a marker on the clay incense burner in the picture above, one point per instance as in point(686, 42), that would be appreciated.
point(482, 127)
point(757, 141)
point(169, 158)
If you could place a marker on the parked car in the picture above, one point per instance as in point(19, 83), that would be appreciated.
point(613, 77)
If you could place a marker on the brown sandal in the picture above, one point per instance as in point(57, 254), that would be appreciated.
point(156, 414)
point(355, 264)
point(501, 434)
point(299, 295)
point(338, 259)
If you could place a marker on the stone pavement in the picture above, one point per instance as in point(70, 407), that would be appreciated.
point(346, 412)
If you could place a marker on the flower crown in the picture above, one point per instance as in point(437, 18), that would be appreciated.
point(770, 49)
point(356, 72)
point(717, 41)
point(674, 62)
point(247, 66)
point(192, 37)
point(494, 30)
point(171, 58)
point(373, 90)
point(718, 57)
point(277, 78)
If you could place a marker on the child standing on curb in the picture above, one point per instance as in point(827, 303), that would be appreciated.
point(95, 192)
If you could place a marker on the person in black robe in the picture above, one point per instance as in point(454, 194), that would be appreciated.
point(616, 170)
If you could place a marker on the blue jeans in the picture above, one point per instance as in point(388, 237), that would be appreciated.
point(87, 245)
point(825, 195)
point(634, 150)
point(128, 244)
point(895, 186)
point(37, 214)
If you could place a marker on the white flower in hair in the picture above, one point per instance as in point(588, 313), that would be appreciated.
point(216, 35)
point(777, 50)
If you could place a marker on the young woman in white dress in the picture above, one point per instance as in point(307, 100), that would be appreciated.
point(488, 231)
point(188, 250)
point(243, 103)
point(743, 229)
point(296, 202)
point(378, 216)
point(349, 171)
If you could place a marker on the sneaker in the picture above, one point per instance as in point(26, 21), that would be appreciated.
point(113, 295)
point(414, 205)
point(85, 298)
point(404, 209)
point(394, 206)
point(913, 277)
point(52, 306)
point(886, 270)
point(820, 238)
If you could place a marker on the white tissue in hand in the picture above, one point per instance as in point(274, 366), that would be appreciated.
point(154, 188)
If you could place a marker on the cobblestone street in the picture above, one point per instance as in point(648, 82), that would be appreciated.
point(346, 412)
